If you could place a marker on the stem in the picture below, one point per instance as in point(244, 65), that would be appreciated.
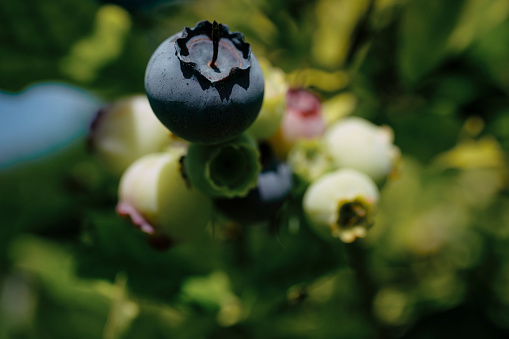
point(215, 42)
point(366, 286)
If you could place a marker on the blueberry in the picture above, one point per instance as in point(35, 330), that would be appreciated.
point(125, 130)
point(273, 109)
point(354, 142)
point(205, 84)
point(341, 204)
point(302, 120)
point(309, 160)
point(263, 202)
point(228, 170)
point(303, 117)
point(157, 198)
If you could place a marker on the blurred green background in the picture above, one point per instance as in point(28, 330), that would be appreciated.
point(436, 71)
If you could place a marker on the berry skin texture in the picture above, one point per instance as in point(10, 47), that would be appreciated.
point(356, 143)
point(226, 170)
point(157, 198)
point(124, 131)
point(341, 204)
point(198, 102)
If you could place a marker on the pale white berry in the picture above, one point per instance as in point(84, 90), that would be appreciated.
point(156, 195)
point(341, 204)
point(356, 143)
point(126, 130)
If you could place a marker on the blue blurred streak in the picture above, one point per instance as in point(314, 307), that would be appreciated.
point(42, 119)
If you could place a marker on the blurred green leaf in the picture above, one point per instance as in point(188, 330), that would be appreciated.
point(425, 29)
point(492, 55)
point(435, 71)
point(35, 35)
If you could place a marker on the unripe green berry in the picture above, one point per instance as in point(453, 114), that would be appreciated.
point(308, 160)
point(224, 170)
point(126, 130)
point(159, 200)
point(273, 107)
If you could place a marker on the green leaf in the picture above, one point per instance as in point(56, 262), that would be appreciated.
point(492, 55)
point(35, 36)
point(425, 29)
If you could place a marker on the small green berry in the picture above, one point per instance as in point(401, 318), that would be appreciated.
point(225, 170)
point(309, 160)
point(126, 130)
point(273, 107)
point(159, 200)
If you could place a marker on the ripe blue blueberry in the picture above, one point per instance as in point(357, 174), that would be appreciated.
point(205, 84)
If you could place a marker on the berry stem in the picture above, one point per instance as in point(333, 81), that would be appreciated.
point(367, 288)
point(215, 42)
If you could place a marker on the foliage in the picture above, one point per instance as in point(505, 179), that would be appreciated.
point(437, 72)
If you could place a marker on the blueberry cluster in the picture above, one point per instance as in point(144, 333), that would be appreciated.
point(233, 139)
